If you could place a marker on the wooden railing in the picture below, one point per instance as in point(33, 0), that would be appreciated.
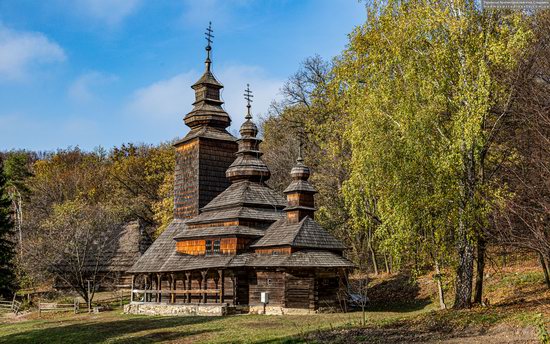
point(178, 291)
point(156, 293)
point(58, 307)
point(10, 306)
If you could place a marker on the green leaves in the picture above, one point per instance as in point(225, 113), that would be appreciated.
point(418, 86)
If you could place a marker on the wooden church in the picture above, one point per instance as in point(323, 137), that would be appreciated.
point(236, 245)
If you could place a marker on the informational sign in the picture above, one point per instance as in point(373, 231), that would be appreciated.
point(516, 4)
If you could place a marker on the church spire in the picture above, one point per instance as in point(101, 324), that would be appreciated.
point(248, 165)
point(207, 108)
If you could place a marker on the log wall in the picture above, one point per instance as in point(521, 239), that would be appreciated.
point(198, 247)
point(272, 282)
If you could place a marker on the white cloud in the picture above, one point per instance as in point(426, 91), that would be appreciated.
point(81, 90)
point(21, 50)
point(165, 102)
point(110, 12)
point(264, 89)
point(164, 99)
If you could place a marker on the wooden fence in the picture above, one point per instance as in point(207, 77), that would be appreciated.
point(10, 306)
point(58, 307)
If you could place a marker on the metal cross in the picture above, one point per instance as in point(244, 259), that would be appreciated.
point(208, 34)
point(248, 96)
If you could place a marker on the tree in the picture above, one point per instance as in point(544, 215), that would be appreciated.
point(17, 171)
point(523, 220)
point(7, 247)
point(309, 113)
point(76, 242)
point(418, 87)
point(143, 182)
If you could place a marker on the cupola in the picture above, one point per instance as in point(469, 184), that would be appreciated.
point(248, 165)
point(300, 193)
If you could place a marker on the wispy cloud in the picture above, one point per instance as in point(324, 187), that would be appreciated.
point(110, 12)
point(82, 89)
point(165, 99)
point(264, 88)
point(22, 50)
point(164, 103)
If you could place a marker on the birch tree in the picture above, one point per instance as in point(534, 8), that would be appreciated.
point(417, 81)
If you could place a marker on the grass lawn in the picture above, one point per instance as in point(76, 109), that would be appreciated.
point(115, 327)
point(519, 312)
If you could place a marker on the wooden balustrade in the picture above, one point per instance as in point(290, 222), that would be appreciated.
point(175, 292)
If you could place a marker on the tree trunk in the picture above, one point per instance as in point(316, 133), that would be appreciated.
point(374, 264)
point(386, 263)
point(545, 269)
point(439, 286)
point(465, 270)
point(481, 248)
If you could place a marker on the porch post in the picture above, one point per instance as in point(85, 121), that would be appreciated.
point(132, 289)
point(234, 285)
point(222, 291)
point(159, 287)
point(205, 284)
point(188, 279)
point(145, 287)
point(172, 287)
point(217, 283)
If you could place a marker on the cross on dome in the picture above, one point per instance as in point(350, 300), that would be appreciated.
point(248, 97)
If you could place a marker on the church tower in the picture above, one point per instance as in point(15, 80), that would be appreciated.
point(205, 153)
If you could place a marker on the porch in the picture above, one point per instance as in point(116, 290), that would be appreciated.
point(217, 287)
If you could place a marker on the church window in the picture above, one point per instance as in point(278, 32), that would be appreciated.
point(212, 247)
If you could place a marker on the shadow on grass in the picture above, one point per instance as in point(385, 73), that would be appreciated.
point(398, 293)
point(101, 331)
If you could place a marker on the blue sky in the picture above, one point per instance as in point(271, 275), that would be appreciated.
point(94, 73)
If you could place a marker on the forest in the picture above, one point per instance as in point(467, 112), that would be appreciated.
point(428, 138)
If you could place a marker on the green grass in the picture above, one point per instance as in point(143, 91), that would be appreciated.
point(115, 327)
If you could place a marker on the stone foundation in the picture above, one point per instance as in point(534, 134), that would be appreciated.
point(201, 309)
point(278, 310)
point(177, 310)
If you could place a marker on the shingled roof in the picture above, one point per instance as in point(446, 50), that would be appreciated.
point(246, 192)
point(158, 253)
point(190, 233)
point(304, 234)
point(175, 261)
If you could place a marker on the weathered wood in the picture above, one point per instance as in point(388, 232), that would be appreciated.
point(179, 291)
point(159, 287)
point(132, 287)
point(205, 284)
point(188, 278)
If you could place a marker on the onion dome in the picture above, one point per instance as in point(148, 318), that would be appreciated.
point(300, 193)
point(300, 174)
point(207, 108)
point(248, 165)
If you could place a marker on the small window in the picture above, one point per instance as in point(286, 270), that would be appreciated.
point(269, 281)
point(216, 247)
point(208, 247)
